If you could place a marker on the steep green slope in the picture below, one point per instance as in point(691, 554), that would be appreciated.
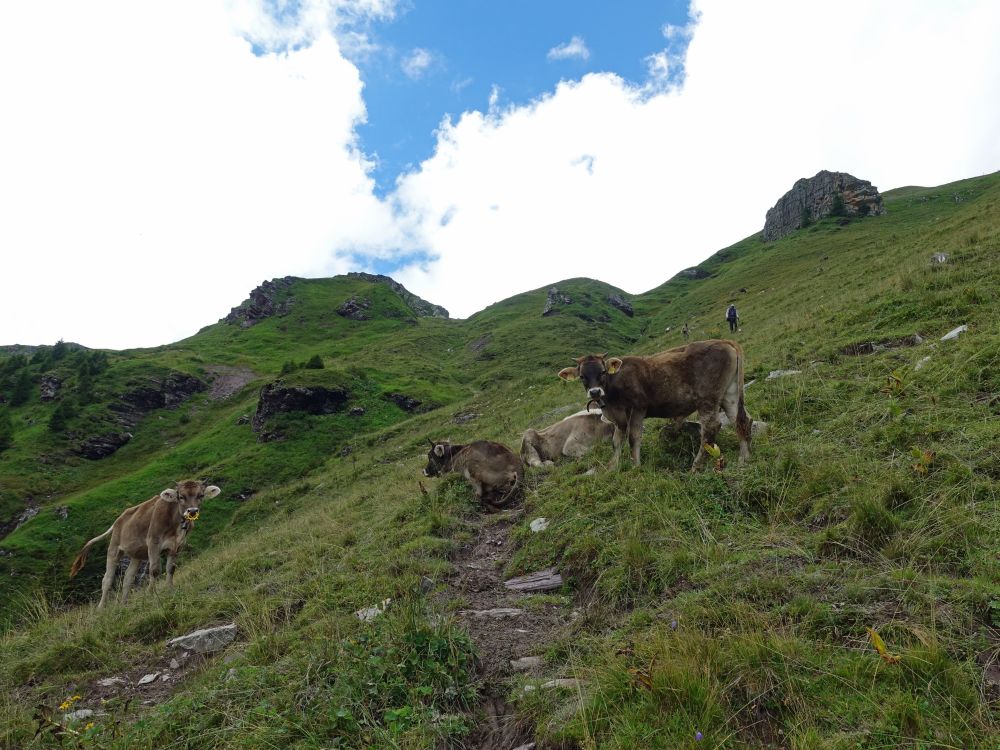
point(716, 609)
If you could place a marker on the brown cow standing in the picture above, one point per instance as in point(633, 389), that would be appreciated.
point(146, 531)
point(703, 376)
point(494, 471)
point(571, 437)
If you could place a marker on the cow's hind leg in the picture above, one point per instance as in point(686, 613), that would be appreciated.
point(130, 571)
point(109, 574)
point(732, 404)
point(171, 567)
point(710, 425)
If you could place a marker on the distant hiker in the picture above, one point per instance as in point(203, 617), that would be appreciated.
point(733, 317)
point(686, 331)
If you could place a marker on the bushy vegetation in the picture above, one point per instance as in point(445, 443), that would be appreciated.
point(723, 609)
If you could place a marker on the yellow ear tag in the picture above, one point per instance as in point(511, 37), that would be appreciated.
point(612, 369)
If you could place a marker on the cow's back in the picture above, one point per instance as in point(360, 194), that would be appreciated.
point(134, 524)
point(489, 462)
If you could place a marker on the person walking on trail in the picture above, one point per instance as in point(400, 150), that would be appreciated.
point(733, 317)
point(686, 331)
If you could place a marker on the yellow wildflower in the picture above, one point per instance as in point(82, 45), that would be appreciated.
point(90, 725)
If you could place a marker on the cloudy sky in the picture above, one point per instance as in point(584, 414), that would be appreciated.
point(159, 160)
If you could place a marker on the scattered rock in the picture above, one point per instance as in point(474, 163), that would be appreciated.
point(747, 385)
point(481, 343)
point(272, 298)
point(355, 309)
point(230, 674)
point(148, 678)
point(498, 613)
point(566, 683)
point(539, 524)
point(421, 308)
point(79, 714)
point(367, 614)
point(871, 347)
point(61, 511)
point(542, 580)
point(97, 447)
point(955, 333)
point(206, 640)
point(525, 663)
point(922, 362)
point(426, 585)
point(111, 682)
point(814, 198)
point(465, 416)
point(526, 746)
point(174, 664)
point(243, 419)
point(278, 398)
point(555, 299)
point(781, 374)
point(345, 451)
point(356, 411)
point(49, 387)
point(619, 302)
point(757, 428)
point(225, 380)
point(939, 259)
point(404, 402)
point(26, 515)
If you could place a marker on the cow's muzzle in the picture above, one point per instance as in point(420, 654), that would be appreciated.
point(596, 393)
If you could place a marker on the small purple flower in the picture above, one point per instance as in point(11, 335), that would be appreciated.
point(698, 736)
point(673, 624)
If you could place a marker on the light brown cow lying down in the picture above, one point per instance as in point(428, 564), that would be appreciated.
point(494, 471)
point(573, 437)
point(146, 531)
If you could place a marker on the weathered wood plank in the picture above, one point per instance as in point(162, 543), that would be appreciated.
point(542, 580)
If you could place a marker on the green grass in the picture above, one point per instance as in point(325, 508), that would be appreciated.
point(734, 605)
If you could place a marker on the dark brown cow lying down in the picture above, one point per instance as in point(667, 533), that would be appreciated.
point(573, 437)
point(703, 376)
point(146, 531)
point(495, 473)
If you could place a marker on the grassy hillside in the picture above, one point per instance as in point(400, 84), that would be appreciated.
point(714, 610)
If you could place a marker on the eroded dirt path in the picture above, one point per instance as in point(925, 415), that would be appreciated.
point(505, 626)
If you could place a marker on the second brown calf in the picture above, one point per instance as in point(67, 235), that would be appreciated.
point(494, 471)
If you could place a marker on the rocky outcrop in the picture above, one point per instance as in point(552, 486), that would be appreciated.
point(49, 387)
point(269, 299)
point(693, 273)
point(814, 198)
point(97, 447)
point(421, 307)
point(404, 402)
point(279, 398)
point(156, 393)
point(206, 640)
point(554, 301)
point(356, 309)
point(619, 302)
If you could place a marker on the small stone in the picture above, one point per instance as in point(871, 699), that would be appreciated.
point(498, 613)
point(148, 678)
point(231, 657)
point(367, 614)
point(525, 663)
point(243, 419)
point(781, 374)
point(426, 584)
point(747, 385)
point(206, 640)
point(539, 524)
point(922, 362)
point(231, 674)
point(83, 713)
point(526, 746)
point(165, 678)
point(356, 411)
point(939, 259)
point(955, 333)
point(590, 472)
point(111, 681)
point(568, 683)
point(174, 664)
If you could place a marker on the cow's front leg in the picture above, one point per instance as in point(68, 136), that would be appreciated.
point(109, 575)
point(130, 571)
point(171, 567)
point(616, 443)
point(153, 555)
point(635, 435)
point(710, 425)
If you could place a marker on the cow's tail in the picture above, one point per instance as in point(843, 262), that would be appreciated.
point(529, 451)
point(80, 560)
point(744, 424)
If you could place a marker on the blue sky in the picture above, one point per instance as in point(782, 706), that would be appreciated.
point(473, 46)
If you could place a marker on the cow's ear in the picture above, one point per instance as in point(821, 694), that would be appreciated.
point(211, 491)
point(170, 495)
point(439, 450)
point(568, 373)
point(614, 364)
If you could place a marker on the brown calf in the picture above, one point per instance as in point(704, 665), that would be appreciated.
point(571, 437)
point(494, 472)
point(146, 531)
point(703, 376)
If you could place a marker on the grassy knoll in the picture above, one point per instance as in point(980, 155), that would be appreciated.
point(715, 610)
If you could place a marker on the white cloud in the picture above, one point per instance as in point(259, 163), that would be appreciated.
point(679, 172)
point(416, 64)
point(575, 48)
point(155, 170)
